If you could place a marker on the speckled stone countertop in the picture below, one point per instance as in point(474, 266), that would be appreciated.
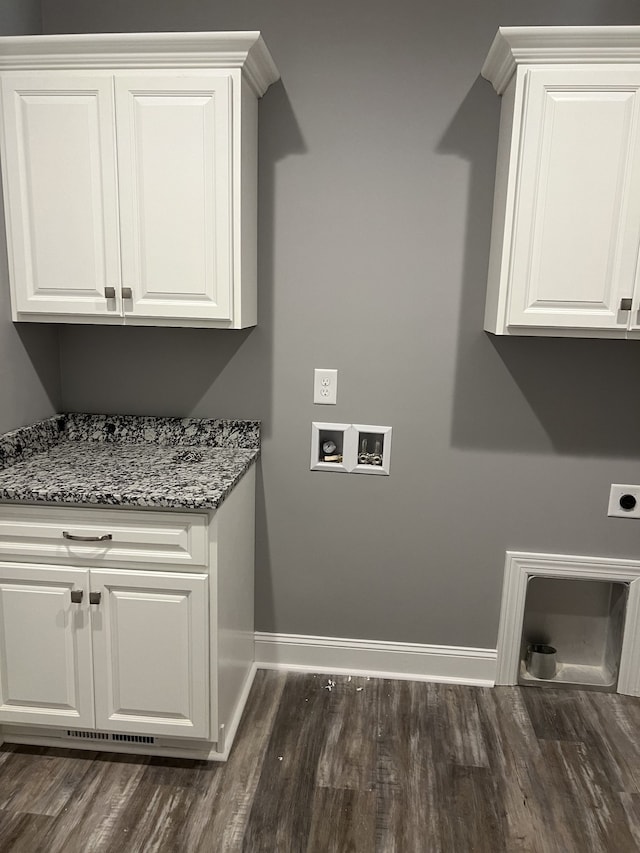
point(129, 461)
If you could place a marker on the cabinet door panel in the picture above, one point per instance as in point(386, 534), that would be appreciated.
point(60, 193)
point(45, 647)
point(174, 159)
point(150, 635)
point(577, 213)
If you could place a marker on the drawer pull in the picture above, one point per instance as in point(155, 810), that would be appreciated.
point(94, 597)
point(76, 596)
point(103, 538)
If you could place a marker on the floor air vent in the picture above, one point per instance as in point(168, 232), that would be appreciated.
point(87, 735)
point(133, 738)
point(75, 733)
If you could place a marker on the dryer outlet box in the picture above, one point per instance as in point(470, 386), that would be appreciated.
point(624, 501)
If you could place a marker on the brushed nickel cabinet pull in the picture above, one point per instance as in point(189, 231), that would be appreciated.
point(76, 596)
point(71, 536)
point(109, 293)
point(127, 293)
point(94, 597)
point(625, 304)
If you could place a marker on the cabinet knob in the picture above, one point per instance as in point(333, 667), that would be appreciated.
point(625, 304)
point(94, 597)
point(109, 293)
point(76, 596)
point(127, 293)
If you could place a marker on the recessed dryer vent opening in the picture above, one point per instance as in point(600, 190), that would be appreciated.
point(570, 620)
point(583, 621)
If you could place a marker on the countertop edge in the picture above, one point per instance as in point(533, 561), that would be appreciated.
point(202, 436)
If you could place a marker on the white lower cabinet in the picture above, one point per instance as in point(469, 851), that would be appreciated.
point(132, 631)
point(45, 647)
point(150, 652)
point(135, 660)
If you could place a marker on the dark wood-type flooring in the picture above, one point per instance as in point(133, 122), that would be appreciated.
point(368, 765)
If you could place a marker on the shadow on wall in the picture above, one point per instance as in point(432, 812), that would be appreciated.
point(150, 371)
point(197, 372)
point(40, 342)
point(29, 375)
point(29, 364)
point(573, 396)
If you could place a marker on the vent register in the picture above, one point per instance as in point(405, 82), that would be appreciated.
point(109, 736)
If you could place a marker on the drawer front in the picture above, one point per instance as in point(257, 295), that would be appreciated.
point(78, 536)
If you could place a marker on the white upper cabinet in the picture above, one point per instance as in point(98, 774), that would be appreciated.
point(176, 197)
point(566, 219)
point(130, 176)
point(60, 186)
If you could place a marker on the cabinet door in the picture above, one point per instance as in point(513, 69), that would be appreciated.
point(576, 226)
point(174, 158)
point(45, 647)
point(151, 660)
point(60, 189)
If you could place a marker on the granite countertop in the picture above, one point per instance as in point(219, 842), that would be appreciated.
point(125, 460)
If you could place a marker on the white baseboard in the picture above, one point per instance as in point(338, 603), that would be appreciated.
point(227, 737)
point(414, 661)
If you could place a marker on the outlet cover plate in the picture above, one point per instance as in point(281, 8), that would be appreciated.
point(617, 511)
point(325, 386)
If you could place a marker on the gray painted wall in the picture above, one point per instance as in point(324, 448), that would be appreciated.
point(20, 17)
point(29, 365)
point(377, 158)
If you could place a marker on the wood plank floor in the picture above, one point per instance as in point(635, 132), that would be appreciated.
point(366, 766)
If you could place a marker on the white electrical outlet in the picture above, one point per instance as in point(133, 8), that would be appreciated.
point(325, 386)
point(624, 501)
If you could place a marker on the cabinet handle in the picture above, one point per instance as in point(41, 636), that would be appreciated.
point(76, 596)
point(127, 293)
point(626, 304)
point(94, 597)
point(103, 538)
point(109, 293)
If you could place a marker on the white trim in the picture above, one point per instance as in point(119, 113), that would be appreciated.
point(62, 742)
point(521, 566)
point(514, 46)
point(227, 736)
point(373, 658)
point(245, 50)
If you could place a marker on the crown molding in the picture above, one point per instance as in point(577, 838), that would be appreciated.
point(514, 46)
point(244, 50)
